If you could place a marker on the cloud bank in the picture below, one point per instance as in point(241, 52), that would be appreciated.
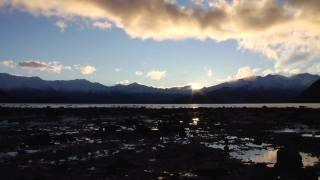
point(287, 31)
point(53, 66)
point(9, 63)
point(157, 75)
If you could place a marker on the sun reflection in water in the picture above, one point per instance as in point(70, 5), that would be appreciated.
point(195, 121)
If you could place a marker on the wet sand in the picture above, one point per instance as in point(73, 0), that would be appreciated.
point(141, 143)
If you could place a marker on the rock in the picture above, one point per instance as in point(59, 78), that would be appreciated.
point(288, 159)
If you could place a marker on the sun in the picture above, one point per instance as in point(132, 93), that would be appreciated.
point(196, 86)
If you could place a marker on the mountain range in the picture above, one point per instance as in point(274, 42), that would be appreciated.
point(311, 94)
point(270, 88)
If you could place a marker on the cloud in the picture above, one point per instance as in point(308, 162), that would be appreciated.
point(61, 25)
point(34, 64)
point(87, 69)
point(124, 82)
point(9, 63)
point(117, 69)
point(267, 72)
point(314, 68)
point(295, 71)
point(157, 75)
point(287, 31)
point(138, 73)
point(54, 66)
point(246, 72)
point(102, 25)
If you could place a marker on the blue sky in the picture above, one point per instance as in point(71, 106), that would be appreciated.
point(119, 56)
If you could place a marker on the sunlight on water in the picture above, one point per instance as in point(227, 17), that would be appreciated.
point(264, 156)
point(195, 121)
point(309, 160)
point(269, 157)
point(159, 106)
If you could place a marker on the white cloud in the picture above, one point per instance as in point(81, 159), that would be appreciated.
point(286, 31)
point(102, 25)
point(157, 75)
point(295, 71)
point(315, 68)
point(246, 72)
point(124, 82)
point(9, 63)
point(209, 73)
point(61, 25)
point(267, 72)
point(87, 69)
point(117, 69)
point(138, 73)
point(53, 66)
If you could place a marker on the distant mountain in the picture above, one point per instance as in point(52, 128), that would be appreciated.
point(270, 82)
point(33, 89)
point(271, 88)
point(139, 88)
point(11, 82)
point(312, 94)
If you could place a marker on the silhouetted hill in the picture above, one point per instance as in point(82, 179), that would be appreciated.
point(33, 89)
point(312, 94)
point(246, 95)
point(270, 82)
point(271, 88)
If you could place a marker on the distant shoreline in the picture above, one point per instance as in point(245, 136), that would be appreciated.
point(160, 106)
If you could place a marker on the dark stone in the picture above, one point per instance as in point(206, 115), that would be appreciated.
point(288, 159)
point(39, 139)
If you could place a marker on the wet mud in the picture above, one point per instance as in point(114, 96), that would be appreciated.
point(141, 143)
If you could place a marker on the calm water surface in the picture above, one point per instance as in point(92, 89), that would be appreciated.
point(158, 106)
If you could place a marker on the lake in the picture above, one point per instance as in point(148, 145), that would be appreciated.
point(158, 106)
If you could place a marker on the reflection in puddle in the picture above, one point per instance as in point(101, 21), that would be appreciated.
point(91, 142)
point(269, 156)
point(310, 135)
point(304, 131)
point(309, 160)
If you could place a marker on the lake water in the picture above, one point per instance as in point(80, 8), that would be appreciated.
point(158, 106)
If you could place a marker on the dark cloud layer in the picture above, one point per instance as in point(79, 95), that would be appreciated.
point(33, 64)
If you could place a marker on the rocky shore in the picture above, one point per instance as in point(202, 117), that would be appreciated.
point(140, 143)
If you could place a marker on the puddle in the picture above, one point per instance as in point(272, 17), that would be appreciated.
point(6, 123)
point(8, 155)
point(297, 130)
point(269, 156)
point(309, 160)
point(310, 135)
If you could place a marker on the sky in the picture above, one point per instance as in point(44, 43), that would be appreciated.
point(161, 43)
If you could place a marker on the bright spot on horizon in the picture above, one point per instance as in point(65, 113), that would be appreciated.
point(196, 86)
